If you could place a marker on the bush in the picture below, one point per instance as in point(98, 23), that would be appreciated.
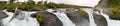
point(114, 13)
point(114, 9)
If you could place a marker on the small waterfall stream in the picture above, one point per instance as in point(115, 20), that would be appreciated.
point(62, 16)
point(109, 21)
point(91, 18)
point(22, 19)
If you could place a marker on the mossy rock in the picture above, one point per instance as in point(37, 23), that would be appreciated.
point(83, 13)
point(40, 17)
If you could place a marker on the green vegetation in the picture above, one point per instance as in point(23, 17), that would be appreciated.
point(83, 13)
point(40, 17)
point(114, 9)
point(2, 5)
point(31, 5)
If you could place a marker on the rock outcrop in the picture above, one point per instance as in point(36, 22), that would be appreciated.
point(51, 20)
point(77, 18)
point(99, 19)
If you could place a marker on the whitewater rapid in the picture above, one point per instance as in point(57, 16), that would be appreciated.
point(22, 19)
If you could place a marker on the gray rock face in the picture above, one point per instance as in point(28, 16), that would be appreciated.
point(77, 18)
point(99, 20)
point(3, 15)
point(51, 20)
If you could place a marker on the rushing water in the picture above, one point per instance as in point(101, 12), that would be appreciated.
point(91, 18)
point(109, 21)
point(62, 17)
point(22, 19)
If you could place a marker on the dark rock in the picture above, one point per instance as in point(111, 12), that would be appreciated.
point(34, 15)
point(3, 15)
point(99, 20)
point(77, 18)
point(51, 20)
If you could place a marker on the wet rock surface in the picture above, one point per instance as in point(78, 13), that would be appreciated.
point(3, 15)
point(77, 18)
point(51, 20)
point(99, 20)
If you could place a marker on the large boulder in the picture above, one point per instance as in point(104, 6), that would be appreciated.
point(51, 20)
point(47, 19)
point(99, 19)
point(77, 18)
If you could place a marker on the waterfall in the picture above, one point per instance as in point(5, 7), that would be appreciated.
point(22, 19)
point(109, 21)
point(91, 18)
point(62, 17)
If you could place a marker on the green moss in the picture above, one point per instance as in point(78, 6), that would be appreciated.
point(114, 13)
point(114, 9)
point(11, 7)
point(83, 13)
point(40, 17)
point(2, 5)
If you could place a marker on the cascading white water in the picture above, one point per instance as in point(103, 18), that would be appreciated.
point(109, 21)
point(91, 18)
point(62, 17)
point(26, 19)
point(6, 20)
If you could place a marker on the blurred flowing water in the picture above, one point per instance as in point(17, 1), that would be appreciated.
point(110, 21)
point(21, 19)
point(62, 17)
point(91, 18)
